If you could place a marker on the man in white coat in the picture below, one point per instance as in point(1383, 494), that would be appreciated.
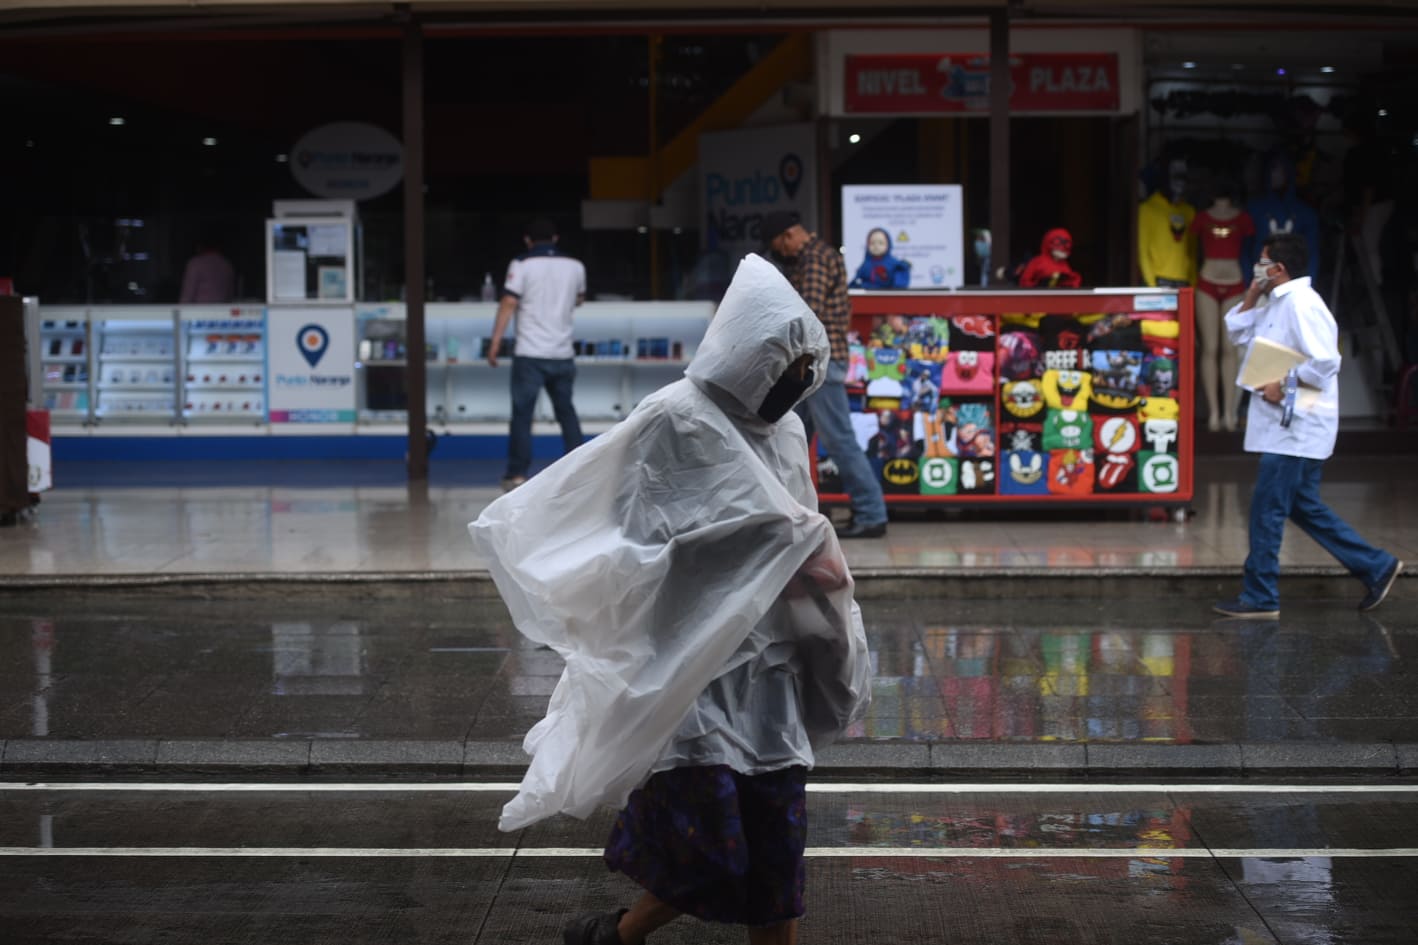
point(1295, 438)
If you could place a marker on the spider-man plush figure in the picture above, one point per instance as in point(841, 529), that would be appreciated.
point(1050, 268)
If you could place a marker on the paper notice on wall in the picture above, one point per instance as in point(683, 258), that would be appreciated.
point(288, 274)
point(328, 240)
point(332, 282)
point(921, 225)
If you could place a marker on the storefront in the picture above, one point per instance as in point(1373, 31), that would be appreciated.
point(627, 160)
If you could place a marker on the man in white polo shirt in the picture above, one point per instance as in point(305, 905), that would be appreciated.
point(543, 286)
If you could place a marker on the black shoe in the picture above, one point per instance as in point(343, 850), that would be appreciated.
point(862, 531)
point(593, 928)
point(1379, 591)
point(1239, 608)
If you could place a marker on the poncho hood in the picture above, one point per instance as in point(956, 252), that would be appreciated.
point(762, 325)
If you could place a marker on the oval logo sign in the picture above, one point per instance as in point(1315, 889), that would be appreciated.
point(348, 160)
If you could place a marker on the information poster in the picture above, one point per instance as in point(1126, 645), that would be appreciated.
point(311, 369)
point(904, 236)
point(288, 274)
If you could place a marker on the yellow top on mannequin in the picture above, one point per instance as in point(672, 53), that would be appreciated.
point(1166, 247)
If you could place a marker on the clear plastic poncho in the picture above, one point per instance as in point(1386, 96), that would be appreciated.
point(682, 545)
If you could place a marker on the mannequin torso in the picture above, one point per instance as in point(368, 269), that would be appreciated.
point(1222, 229)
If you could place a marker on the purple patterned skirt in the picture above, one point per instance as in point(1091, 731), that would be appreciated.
point(716, 844)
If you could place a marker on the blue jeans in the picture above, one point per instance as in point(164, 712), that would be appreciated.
point(1289, 487)
point(832, 419)
point(529, 376)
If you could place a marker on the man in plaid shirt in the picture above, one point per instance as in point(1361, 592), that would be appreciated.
point(817, 272)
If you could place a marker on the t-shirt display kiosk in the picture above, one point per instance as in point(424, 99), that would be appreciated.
point(1049, 397)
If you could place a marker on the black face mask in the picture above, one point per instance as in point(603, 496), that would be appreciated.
point(782, 395)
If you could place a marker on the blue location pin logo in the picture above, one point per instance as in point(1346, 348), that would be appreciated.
point(790, 172)
point(312, 341)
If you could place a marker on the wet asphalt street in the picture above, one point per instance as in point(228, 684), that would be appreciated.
point(1177, 858)
point(1026, 671)
point(1205, 864)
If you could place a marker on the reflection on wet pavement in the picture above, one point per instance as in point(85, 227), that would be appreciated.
point(1034, 671)
point(970, 868)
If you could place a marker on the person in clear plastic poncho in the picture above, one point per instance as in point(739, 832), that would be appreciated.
point(679, 565)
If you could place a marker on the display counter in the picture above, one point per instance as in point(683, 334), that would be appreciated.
point(1040, 397)
point(150, 373)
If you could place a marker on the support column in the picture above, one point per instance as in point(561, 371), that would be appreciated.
point(416, 366)
point(999, 139)
point(656, 53)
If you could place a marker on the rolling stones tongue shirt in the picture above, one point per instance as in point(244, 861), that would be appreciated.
point(1116, 472)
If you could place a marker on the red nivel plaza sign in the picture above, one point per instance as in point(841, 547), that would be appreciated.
point(960, 82)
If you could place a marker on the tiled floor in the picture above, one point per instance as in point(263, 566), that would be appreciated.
point(342, 518)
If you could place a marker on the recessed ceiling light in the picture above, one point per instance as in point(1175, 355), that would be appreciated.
point(210, 142)
point(1383, 112)
point(282, 158)
point(116, 120)
point(642, 229)
point(1280, 71)
point(1326, 69)
point(854, 138)
point(1188, 65)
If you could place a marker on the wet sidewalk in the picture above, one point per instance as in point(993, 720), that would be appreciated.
point(341, 685)
point(232, 520)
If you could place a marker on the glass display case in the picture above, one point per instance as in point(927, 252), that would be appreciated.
point(136, 366)
point(623, 351)
point(65, 353)
point(223, 364)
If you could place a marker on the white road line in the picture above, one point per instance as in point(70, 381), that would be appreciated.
point(1164, 853)
point(507, 787)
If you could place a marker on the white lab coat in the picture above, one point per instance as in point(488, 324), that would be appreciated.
point(657, 560)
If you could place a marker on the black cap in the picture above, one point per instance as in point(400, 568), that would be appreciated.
point(775, 224)
point(540, 230)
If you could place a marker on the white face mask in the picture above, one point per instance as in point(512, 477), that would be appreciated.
point(1258, 272)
